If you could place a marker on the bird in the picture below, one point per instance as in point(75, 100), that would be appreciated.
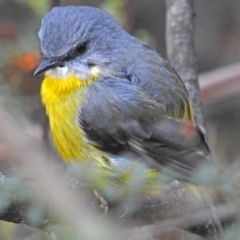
point(114, 103)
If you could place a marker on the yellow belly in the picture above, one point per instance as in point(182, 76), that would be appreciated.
point(68, 137)
point(63, 100)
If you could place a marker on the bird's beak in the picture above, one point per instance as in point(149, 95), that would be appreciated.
point(44, 66)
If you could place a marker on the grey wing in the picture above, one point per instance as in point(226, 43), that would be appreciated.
point(119, 117)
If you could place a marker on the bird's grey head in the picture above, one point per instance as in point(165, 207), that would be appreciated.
point(77, 39)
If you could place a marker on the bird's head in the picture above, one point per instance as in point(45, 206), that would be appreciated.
point(84, 42)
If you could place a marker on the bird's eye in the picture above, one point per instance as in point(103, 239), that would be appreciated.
point(81, 48)
point(61, 65)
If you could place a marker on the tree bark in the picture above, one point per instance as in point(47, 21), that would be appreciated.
point(181, 53)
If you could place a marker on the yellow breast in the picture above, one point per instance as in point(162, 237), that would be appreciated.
point(63, 99)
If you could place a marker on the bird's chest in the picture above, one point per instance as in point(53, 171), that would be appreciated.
point(69, 138)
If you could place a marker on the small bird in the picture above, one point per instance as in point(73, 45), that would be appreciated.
point(114, 103)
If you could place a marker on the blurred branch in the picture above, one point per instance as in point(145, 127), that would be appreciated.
point(180, 50)
point(188, 222)
point(25, 194)
point(15, 210)
point(176, 205)
point(63, 201)
point(183, 211)
point(220, 84)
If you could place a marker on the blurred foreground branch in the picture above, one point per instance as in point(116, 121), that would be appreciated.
point(168, 210)
point(62, 200)
point(180, 50)
point(176, 206)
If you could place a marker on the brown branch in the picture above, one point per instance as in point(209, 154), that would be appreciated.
point(180, 49)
